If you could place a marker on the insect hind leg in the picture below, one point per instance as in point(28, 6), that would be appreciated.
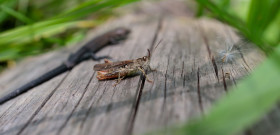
point(118, 80)
point(144, 73)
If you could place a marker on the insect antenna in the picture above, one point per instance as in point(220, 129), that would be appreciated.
point(149, 53)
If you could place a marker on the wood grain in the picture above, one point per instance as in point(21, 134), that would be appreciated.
point(190, 77)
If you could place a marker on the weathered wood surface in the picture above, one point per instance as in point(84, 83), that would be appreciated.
point(188, 80)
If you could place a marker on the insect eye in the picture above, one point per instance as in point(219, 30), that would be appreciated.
point(144, 58)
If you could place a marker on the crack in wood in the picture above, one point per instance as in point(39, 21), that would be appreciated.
point(198, 92)
point(165, 88)
point(165, 83)
point(75, 107)
point(42, 105)
point(183, 75)
point(207, 45)
point(233, 79)
point(193, 67)
point(165, 93)
point(246, 69)
point(91, 105)
point(141, 84)
point(12, 105)
point(209, 53)
point(173, 76)
point(205, 40)
point(109, 107)
point(215, 68)
point(243, 59)
point(133, 114)
point(182, 71)
point(224, 81)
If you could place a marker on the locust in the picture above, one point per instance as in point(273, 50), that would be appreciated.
point(121, 69)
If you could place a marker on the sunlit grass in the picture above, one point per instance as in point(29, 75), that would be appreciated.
point(27, 33)
point(258, 22)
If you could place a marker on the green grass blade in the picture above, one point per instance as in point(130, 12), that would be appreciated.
point(34, 32)
point(8, 53)
point(10, 4)
point(16, 14)
point(199, 11)
point(20, 36)
point(261, 14)
point(53, 26)
point(93, 6)
point(224, 15)
point(272, 32)
point(81, 6)
point(223, 4)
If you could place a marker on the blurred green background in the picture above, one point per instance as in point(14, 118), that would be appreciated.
point(29, 27)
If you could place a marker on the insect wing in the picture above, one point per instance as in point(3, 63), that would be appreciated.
point(106, 66)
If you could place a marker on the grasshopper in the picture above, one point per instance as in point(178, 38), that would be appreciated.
point(121, 69)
